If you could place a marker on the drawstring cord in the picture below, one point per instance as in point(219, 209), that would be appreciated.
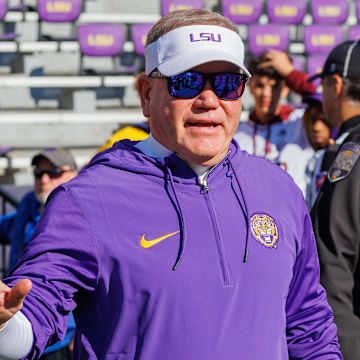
point(246, 213)
point(267, 140)
point(182, 222)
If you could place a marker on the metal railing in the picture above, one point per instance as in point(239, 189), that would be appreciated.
point(6, 200)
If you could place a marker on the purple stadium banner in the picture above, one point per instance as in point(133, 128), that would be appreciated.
point(329, 11)
point(172, 5)
point(286, 11)
point(315, 65)
point(59, 10)
point(354, 32)
point(101, 39)
point(3, 8)
point(138, 34)
point(242, 11)
point(265, 37)
point(320, 39)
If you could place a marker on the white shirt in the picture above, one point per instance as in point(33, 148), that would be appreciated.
point(284, 143)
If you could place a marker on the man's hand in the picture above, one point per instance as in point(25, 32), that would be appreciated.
point(279, 60)
point(11, 299)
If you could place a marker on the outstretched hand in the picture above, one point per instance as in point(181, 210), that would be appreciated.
point(11, 299)
point(279, 60)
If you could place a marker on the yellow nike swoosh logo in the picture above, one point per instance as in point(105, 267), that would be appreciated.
point(149, 243)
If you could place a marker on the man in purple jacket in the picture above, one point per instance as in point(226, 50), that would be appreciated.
point(180, 246)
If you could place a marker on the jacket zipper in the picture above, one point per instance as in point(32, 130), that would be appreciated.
point(225, 273)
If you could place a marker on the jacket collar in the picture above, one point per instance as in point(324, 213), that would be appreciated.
point(349, 124)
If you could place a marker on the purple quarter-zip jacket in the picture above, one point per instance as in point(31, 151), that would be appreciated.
point(156, 266)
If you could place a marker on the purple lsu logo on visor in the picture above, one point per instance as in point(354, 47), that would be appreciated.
point(205, 37)
point(188, 46)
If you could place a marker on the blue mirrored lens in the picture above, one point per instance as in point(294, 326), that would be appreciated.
point(228, 86)
point(186, 85)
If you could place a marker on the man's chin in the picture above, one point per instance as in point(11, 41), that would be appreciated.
point(41, 198)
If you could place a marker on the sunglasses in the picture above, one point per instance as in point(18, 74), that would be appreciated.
point(52, 173)
point(187, 85)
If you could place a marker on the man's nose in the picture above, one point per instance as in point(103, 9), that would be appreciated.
point(267, 91)
point(45, 178)
point(207, 98)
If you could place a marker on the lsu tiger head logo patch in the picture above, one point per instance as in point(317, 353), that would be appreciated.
point(265, 230)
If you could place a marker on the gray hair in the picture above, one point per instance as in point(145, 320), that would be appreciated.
point(186, 17)
point(352, 89)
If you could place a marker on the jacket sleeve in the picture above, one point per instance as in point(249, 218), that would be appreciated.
point(338, 240)
point(296, 81)
point(311, 332)
point(62, 262)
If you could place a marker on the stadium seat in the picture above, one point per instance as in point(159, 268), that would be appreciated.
point(286, 11)
point(58, 11)
point(320, 39)
point(138, 35)
point(315, 65)
point(354, 32)
point(41, 94)
point(171, 5)
point(101, 40)
point(242, 11)
point(7, 36)
point(3, 8)
point(329, 11)
point(265, 37)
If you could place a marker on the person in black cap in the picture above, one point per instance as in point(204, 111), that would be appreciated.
point(336, 212)
point(52, 167)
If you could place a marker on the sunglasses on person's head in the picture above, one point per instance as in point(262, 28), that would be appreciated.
point(187, 85)
point(52, 173)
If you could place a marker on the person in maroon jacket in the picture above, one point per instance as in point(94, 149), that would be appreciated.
point(275, 131)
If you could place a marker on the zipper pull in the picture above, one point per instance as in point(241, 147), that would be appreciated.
point(205, 185)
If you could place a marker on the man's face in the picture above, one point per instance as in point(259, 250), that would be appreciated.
point(266, 92)
point(199, 130)
point(47, 183)
point(320, 132)
point(329, 100)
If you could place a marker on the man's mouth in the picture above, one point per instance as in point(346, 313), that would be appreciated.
point(201, 124)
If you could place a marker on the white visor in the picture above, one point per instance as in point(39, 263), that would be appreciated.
point(189, 46)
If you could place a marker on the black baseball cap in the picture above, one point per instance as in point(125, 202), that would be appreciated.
point(343, 60)
point(58, 156)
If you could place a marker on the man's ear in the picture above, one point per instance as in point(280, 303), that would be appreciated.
point(338, 85)
point(144, 87)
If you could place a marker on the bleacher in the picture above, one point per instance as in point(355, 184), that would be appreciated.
point(67, 66)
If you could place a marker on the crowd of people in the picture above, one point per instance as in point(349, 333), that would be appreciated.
point(204, 237)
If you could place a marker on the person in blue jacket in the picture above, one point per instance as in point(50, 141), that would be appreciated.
point(52, 167)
